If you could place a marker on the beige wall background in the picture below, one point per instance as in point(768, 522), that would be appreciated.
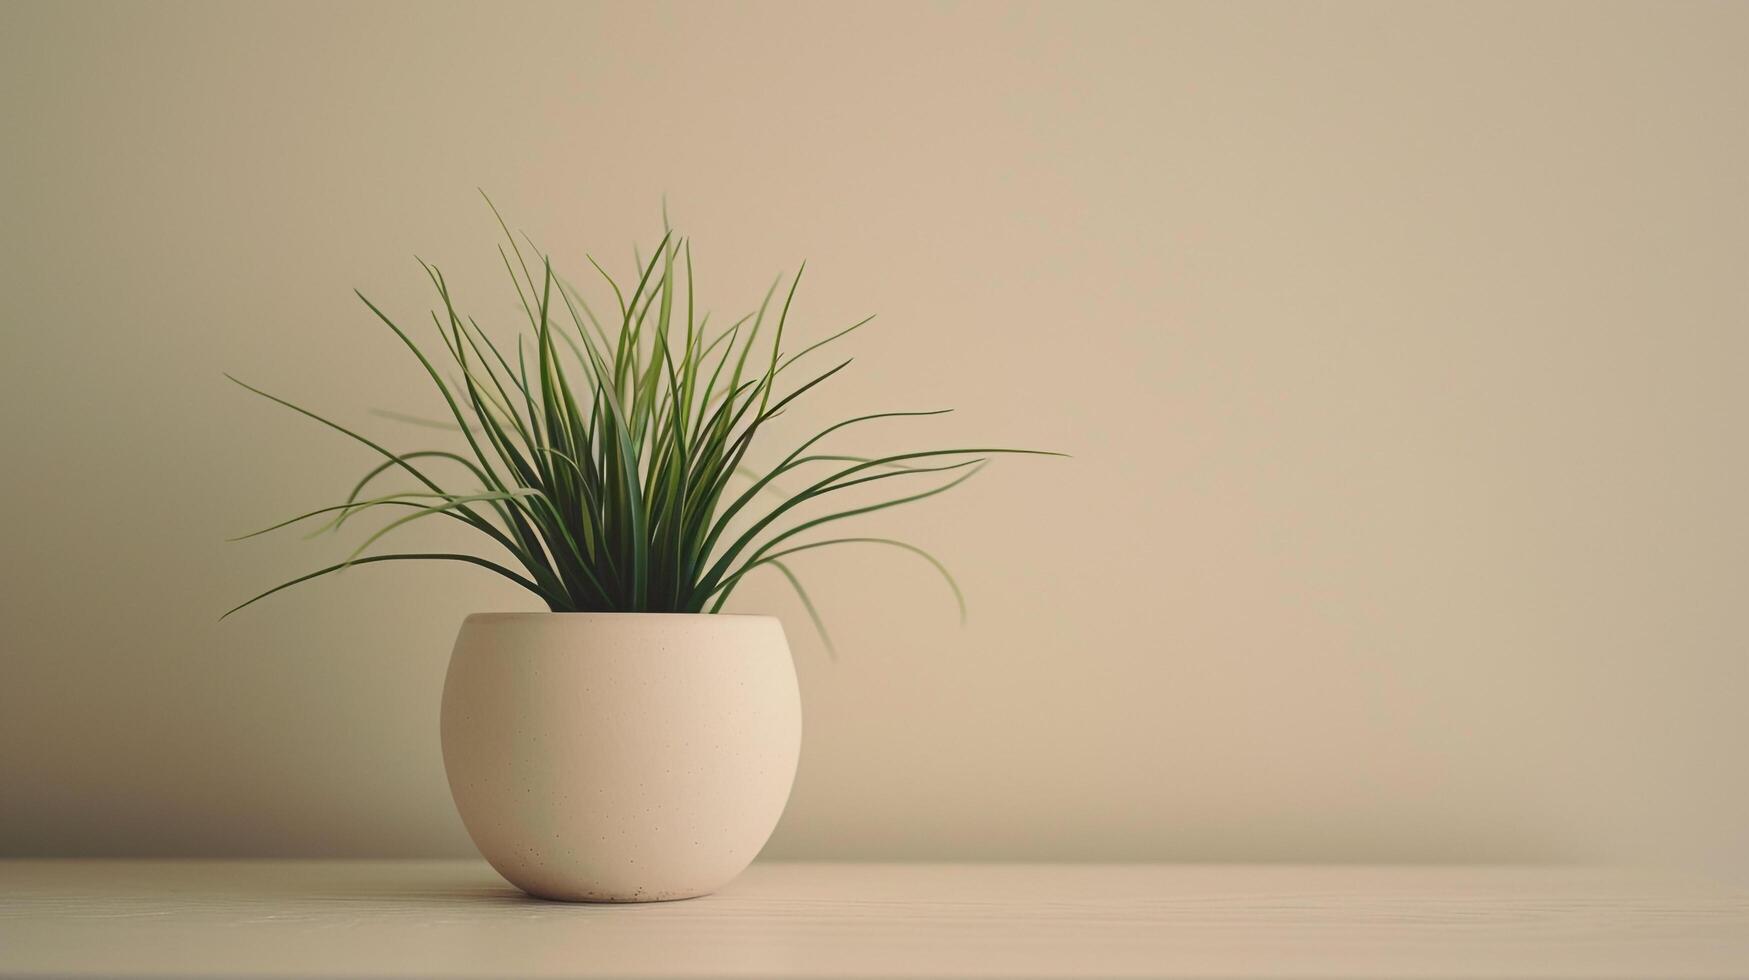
point(1400, 348)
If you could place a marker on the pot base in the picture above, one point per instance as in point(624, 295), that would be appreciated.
point(597, 898)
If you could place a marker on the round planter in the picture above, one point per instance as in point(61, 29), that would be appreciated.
point(620, 757)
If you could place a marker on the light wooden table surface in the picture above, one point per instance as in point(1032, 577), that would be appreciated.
point(457, 919)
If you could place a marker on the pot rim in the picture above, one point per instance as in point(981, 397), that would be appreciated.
point(617, 616)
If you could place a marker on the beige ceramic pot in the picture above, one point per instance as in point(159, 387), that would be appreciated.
point(620, 757)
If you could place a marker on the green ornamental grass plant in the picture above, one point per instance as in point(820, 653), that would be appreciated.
point(607, 455)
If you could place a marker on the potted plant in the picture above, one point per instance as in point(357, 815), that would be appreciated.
point(634, 743)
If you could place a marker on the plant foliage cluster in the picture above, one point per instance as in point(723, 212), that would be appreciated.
point(608, 455)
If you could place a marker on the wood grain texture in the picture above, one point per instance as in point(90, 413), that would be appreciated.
point(458, 919)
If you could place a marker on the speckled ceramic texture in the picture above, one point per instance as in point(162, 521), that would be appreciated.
point(620, 757)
